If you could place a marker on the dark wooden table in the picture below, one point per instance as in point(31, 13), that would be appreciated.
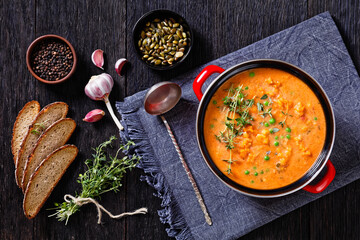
point(220, 27)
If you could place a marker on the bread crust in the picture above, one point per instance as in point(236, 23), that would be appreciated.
point(20, 114)
point(37, 171)
point(29, 160)
point(18, 172)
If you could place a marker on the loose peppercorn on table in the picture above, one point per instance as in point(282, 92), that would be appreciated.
point(219, 28)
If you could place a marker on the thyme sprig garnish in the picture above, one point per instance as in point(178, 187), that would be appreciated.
point(237, 118)
point(282, 123)
point(263, 112)
point(103, 175)
point(38, 128)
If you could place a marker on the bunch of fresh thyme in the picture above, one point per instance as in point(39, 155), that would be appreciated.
point(238, 117)
point(103, 175)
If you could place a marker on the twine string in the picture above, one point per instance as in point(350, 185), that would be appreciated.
point(82, 201)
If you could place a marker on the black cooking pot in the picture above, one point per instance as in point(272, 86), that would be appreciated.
point(319, 164)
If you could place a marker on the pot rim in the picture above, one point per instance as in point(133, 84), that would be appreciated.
point(319, 168)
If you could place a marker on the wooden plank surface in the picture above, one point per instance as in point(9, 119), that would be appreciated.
point(220, 27)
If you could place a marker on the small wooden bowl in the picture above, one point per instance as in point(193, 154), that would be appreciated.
point(45, 38)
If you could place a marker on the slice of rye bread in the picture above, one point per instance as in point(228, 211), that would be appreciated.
point(45, 178)
point(47, 116)
point(54, 137)
point(21, 126)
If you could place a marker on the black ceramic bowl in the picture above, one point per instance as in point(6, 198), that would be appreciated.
point(161, 14)
point(323, 158)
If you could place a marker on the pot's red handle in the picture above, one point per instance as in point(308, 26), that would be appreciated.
point(323, 183)
point(201, 78)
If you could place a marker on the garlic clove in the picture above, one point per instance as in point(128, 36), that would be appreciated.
point(120, 64)
point(94, 115)
point(99, 86)
point(97, 58)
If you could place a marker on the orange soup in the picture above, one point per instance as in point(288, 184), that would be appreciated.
point(264, 128)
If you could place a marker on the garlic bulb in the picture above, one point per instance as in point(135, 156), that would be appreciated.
point(99, 88)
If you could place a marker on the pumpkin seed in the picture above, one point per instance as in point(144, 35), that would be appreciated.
point(179, 33)
point(169, 39)
point(179, 54)
point(166, 30)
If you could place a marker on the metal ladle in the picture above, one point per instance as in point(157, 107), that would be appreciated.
point(161, 98)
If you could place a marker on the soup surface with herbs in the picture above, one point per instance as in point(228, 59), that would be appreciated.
point(264, 128)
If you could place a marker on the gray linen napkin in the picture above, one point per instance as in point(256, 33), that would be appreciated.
point(315, 46)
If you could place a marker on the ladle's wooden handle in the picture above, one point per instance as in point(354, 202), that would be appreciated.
point(188, 172)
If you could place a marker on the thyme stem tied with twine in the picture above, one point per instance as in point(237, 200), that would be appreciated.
point(103, 175)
